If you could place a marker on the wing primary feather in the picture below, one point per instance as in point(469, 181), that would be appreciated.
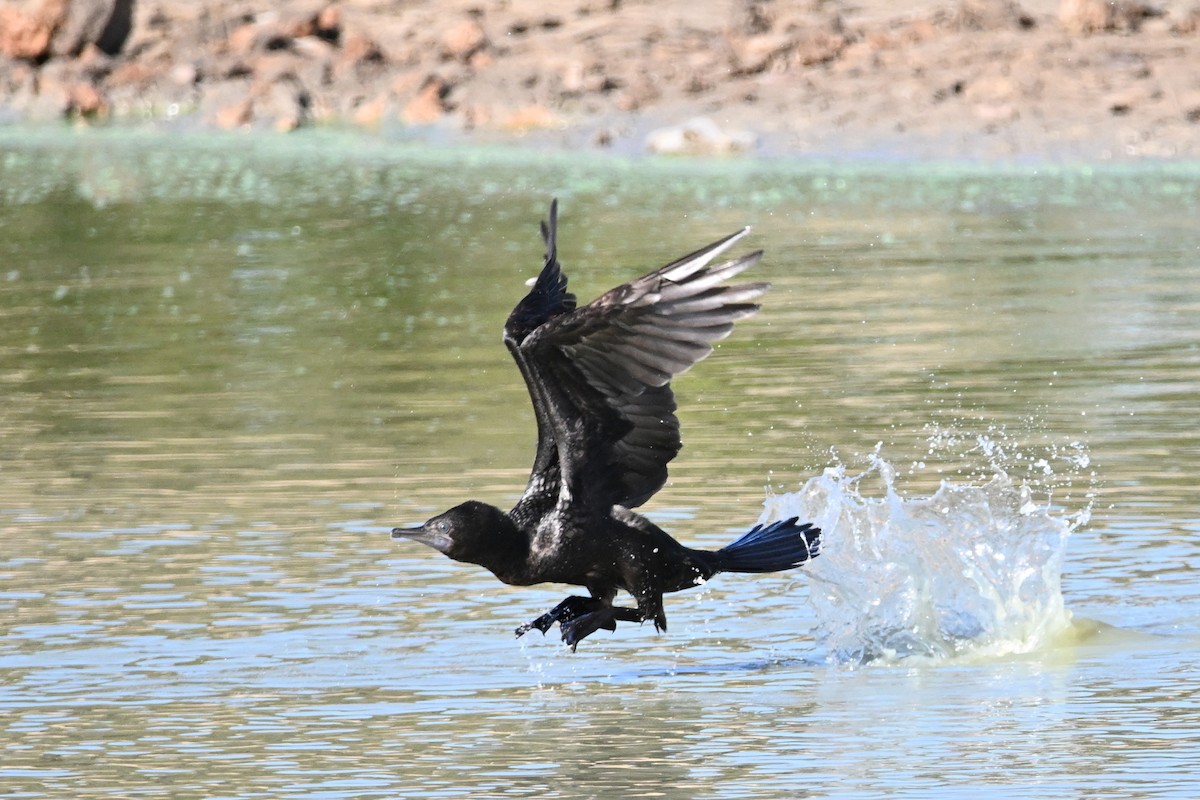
point(680, 268)
point(715, 298)
point(705, 278)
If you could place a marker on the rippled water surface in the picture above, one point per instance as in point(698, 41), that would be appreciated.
point(230, 365)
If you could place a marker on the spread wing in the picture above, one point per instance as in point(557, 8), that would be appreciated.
point(599, 375)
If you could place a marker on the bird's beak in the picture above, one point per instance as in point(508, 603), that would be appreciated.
point(407, 533)
point(439, 542)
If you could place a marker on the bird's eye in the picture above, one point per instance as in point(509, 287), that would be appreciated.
point(441, 526)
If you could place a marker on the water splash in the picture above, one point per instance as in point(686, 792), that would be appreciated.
point(973, 569)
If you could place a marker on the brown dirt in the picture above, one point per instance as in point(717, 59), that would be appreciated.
point(989, 79)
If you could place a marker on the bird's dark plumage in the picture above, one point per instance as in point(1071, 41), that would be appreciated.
point(599, 379)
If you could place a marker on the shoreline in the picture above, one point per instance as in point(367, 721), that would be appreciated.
point(97, 145)
point(1045, 81)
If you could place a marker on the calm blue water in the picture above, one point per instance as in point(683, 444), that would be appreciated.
point(231, 364)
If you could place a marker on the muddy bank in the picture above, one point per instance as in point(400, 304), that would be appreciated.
point(992, 79)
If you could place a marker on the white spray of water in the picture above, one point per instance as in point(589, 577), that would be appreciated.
point(973, 569)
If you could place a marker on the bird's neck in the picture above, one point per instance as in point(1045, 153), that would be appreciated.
point(507, 554)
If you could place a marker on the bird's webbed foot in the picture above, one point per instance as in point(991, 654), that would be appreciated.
point(579, 617)
point(605, 618)
point(570, 608)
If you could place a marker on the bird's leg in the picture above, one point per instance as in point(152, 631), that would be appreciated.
point(570, 608)
point(628, 614)
point(577, 629)
point(580, 617)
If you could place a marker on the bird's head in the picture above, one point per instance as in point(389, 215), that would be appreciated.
point(468, 532)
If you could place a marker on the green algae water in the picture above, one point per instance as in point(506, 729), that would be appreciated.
point(231, 364)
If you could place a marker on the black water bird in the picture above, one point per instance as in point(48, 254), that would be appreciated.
point(599, 377)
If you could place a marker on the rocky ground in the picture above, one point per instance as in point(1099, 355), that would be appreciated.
point(989, 79)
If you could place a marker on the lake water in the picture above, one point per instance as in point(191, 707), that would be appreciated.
point(231, 364)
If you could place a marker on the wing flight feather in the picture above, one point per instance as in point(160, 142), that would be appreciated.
point(599, 375)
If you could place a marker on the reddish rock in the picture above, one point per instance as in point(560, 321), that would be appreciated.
point(820, 48)
point(429, 105)
point(481, 59)
point(85, 101)
point(276, 66)
point(358, 55)
point(26, 33)
point(920, 30)
point(237, 115)
point(310, 19)
point(404, 84)
point(1087, 16)
point(370, 113)
point(328, 23)
point(358, 48)
point(463, 40)
point(755, 54)
point(531, 118)
point(244, 38)
point(132, 73)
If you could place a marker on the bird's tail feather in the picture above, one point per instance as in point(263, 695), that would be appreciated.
point(771, 548)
